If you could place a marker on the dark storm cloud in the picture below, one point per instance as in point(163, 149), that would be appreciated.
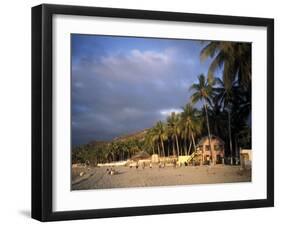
point(118, 90)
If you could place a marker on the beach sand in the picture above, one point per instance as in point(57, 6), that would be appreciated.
point(98, 177)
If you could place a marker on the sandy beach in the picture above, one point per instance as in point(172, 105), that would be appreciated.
point(98, 177)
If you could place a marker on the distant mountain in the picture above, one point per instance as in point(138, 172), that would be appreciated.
point(97, 142)
point(136, 135)
point(139, 135)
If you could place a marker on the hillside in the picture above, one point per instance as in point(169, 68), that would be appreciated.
point(139, 135)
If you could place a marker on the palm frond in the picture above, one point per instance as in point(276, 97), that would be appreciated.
point(209, 51)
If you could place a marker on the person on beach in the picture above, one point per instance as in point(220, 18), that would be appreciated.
point(174, 163)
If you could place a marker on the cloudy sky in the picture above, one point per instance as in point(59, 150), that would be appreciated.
point(122, 84)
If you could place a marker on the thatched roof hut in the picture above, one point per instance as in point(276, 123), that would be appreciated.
point(206, 139)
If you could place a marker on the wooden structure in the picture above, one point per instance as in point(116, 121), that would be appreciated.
point(204, 150)
point(155, 158)
point(246, 158)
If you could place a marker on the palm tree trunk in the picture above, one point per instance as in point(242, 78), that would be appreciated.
point(177, 142)
point(193, 141)
point(236, 150)
point(181, 146)
point(163, 150)
point(209, 133)
point(185, 146)
point(230, 138)
point(158, 149)
point(173, 142)
point(168, 148)
point(189, 149)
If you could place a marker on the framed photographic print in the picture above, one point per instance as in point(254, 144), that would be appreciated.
point(145, 112)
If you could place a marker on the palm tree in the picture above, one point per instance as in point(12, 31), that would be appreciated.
point(191, 123)
point(233, 57)
point(155, 138)
point(174, 129)
point(149, 138)
point(203, 91)
point(224, 98)
point(237, 103)
point(161, 135)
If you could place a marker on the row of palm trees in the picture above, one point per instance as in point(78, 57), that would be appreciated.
point(175, 133)
point(178, 134)
point(221, 114)
point(101, 152)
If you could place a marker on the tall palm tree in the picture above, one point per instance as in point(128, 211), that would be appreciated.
point(203, 91)
point(161, 134)
point(237, 103)
point(233, 57)
point(149, 137)
point(224, 98)
point(191, 123)
point(155, 138)
point(174, 129)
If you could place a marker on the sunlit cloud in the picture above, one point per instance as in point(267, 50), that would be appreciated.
point(167, 112)
point(135, 65)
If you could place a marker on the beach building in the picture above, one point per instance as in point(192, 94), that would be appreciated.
point(246, 158)
point(204, 149)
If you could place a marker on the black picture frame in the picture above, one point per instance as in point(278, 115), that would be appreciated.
point(42, 107)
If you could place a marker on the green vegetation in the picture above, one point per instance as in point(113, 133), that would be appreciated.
point(221, 107)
